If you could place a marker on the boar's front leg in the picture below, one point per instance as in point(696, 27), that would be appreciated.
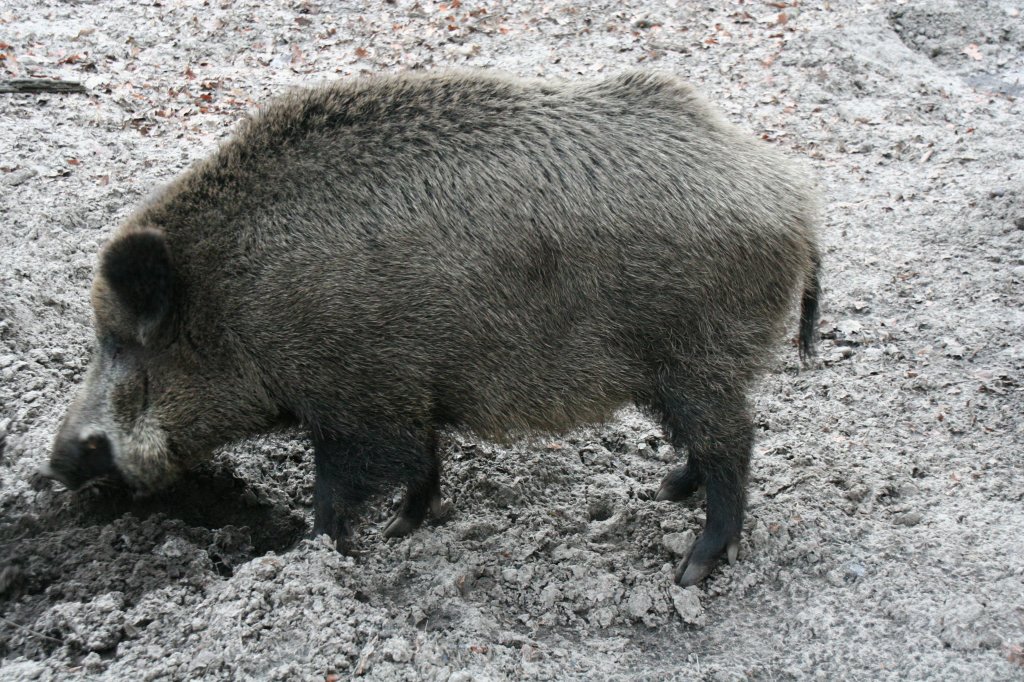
point(352, 468)
point(716, 428)
point(422, 494)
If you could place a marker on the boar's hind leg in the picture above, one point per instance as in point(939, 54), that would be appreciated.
point(717, 430)
point(350, 469)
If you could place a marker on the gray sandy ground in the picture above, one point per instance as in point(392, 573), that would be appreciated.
point(884, 539)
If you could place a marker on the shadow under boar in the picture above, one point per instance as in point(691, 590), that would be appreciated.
point(382, 258)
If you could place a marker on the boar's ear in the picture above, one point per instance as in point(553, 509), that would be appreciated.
point(137, 268)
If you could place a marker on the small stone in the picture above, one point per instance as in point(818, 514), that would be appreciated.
point(854, 572)
point(639, 603)
point(1019, 223)
point(203, 660)
point(909, 519)
point(908, 489)
point(990, 640)
point(109, 602)
point(687, 604)
point(849, 328)
point(678, 543)
point(174, 548)
point(759, 537)
point(94, 663)
point(952, 348)
point(872, 354)
point(549, 595)
point(397, 649)
point(19, 176)
point(529, 653)
point(667, 453)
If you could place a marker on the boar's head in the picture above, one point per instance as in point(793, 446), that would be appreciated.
point(166, 385)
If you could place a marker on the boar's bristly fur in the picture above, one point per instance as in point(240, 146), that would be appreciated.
point(382, 258)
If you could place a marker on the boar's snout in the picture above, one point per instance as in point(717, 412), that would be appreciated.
point(78, 458)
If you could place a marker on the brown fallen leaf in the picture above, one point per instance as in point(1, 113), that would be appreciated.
point(973, 52)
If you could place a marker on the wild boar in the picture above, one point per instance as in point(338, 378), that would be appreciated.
point(381, 258)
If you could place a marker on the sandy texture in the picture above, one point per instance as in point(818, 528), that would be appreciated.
point(884, 537)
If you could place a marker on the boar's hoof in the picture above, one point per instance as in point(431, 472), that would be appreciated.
point(405, 522)
point(440, 509)
point(703, 558)
point(400, 526)
point(679, 484)
point(341, 537)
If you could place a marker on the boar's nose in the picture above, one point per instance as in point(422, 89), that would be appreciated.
point(80, 458)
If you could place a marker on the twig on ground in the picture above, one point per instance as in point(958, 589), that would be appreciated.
point(37, 85)
point(30, 631)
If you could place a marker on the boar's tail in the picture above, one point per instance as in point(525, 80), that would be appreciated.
point(809, 310)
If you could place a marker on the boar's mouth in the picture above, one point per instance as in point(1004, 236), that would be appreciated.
point(83, 465)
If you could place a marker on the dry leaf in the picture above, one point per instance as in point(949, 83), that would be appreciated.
point(973, 52)
point(362, 52)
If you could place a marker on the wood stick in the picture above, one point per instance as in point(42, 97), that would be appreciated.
point(34, 85)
